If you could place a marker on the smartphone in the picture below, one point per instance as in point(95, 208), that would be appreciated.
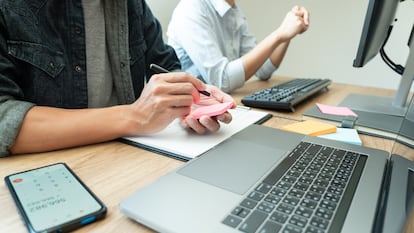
point(53, 199)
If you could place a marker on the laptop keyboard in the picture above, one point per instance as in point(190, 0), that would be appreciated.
point(309, 191)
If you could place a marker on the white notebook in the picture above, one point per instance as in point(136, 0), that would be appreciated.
point(184, 144)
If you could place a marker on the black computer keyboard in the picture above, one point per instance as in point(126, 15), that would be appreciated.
point(285, 96)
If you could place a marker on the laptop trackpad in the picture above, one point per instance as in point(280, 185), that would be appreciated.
point(234, 165)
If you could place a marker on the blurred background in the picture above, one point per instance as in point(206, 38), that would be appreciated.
point(328, 48)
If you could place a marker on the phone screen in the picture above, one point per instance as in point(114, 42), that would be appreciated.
point(53, 198)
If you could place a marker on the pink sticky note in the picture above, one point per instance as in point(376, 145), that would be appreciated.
point(211, 110)
point(334, 110)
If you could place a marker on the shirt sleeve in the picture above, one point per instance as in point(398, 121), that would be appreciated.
point(266, 70)
point(192, 30)
point(12, 113)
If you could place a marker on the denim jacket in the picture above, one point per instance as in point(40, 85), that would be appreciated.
point(43, 56)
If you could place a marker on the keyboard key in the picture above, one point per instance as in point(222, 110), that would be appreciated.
point(279, 217)
point(289, 179)
point(232, 221)
point(321, 182)
point(279, 192)
point(304, 212)
point(292, 229)
point(313, 196)
point(307, 180)
point(256, 196)
point(285, 208)
point(298, 221)
point(332, 197)
point(317, 189)
point(291, 200)
point(309, 204)
point(264, 188)
point(266, 207)
point(325, 177)
point(310, 174)
point(250, 204)
point(324, 213)
point(314, 149)
point(253, 222)
point(319, 222)
point(296, 193)
point(270, 227)
point(328, 205)
point(272, 199)
point(335, 190)
point(301, 186)
point(312, 229)
point(283, 185)
point(240, 212)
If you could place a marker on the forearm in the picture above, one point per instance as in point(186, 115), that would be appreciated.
point(253, 60)
point(46, 128)
point(279, 53)
point(275, 45)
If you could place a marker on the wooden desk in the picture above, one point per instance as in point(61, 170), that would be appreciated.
point(114, 170)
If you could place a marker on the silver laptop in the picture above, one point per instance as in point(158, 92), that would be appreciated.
point(267, 180)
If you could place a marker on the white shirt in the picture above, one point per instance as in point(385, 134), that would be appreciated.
point(209, 37)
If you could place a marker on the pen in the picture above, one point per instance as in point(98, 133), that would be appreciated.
point(159, 69)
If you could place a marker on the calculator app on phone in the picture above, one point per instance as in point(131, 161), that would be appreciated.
point(53, 197)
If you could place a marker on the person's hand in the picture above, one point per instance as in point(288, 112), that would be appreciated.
point(295, 22)
point(206, 123)
point(165, 97)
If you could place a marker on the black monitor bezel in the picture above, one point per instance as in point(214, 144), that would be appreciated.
point(379, 17)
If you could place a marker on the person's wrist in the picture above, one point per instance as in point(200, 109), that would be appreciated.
point(128, 123)
point(278, 36)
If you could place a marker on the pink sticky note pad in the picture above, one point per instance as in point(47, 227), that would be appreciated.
point(211, 110)
point(333, 110)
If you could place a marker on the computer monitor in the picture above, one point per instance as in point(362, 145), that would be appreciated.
point(379, 19)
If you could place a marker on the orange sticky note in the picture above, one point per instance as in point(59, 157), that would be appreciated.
point(313, 128)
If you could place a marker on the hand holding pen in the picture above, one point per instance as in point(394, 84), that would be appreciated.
point(202, 123)
point(158, 69)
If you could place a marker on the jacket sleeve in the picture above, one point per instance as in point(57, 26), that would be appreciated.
point(12, 113)
point(158, 51)
point(12, 108)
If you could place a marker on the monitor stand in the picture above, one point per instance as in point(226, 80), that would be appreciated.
point(385, 113)
point(376, 113)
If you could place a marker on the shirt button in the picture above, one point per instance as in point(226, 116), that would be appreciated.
point(52, 65)
point(122, 64)
point(77, 30)
point(78, 69)
point(122, 28)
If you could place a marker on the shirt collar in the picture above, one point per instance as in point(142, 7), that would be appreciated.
point(221, 6)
